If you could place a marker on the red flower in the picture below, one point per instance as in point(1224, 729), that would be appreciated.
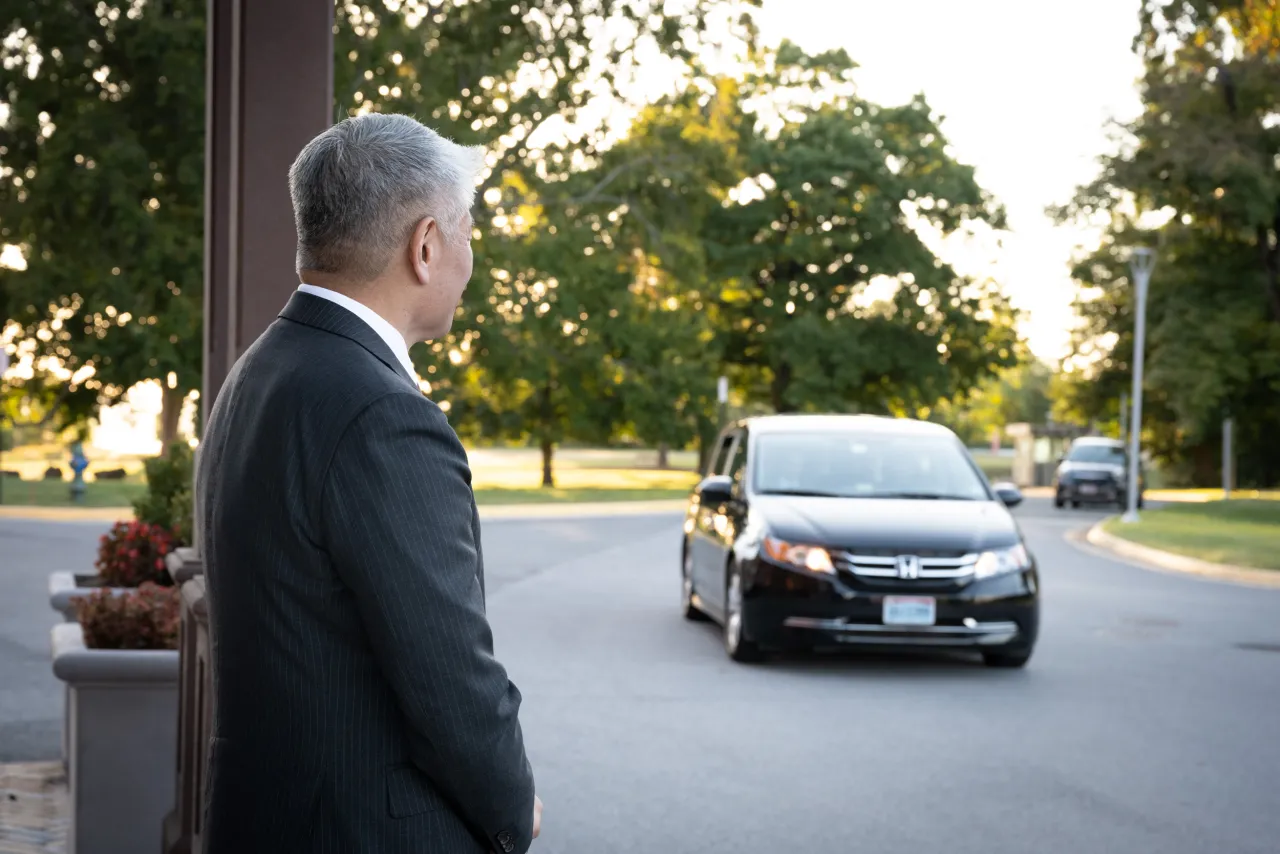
point(133, 553)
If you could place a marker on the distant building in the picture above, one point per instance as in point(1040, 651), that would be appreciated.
point(1037, 449)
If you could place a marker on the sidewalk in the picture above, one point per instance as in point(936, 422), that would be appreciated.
point(547, 510)
point(33, 808)
point(66, 514)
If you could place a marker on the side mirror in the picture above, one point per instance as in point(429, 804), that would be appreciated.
point(1008, 493)
point(716, 489)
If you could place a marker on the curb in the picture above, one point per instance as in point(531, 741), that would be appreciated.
point(67, 514)
point(1170, 562)
point(496, 512)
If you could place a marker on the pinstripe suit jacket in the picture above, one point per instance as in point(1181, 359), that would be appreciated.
point(358, 707)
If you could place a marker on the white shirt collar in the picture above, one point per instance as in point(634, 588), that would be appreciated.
point(377, 322)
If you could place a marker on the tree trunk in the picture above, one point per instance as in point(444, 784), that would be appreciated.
point(548, 449)
point(664, 452)
point(170, 411)
point(1271, 265)
point(778, 388)
point(546, 413)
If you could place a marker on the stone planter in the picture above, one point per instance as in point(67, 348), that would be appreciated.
point(183, 564)
point(122, 716)
point(65, 586)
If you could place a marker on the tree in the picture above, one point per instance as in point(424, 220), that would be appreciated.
point(102, 147)
point(836, 190)
point(1211, 351)
point(573, 327)
point(1021, 394)
point(101, 186)
point(653, 194)
point(1203, 154)
point(534, 363)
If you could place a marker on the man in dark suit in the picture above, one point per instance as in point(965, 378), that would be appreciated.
point(358, 706)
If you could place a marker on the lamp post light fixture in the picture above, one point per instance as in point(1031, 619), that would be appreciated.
point(1142, 261)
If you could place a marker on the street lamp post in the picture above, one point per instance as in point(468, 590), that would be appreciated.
point(1141, 263)
point(722, 402)
point(4, 367)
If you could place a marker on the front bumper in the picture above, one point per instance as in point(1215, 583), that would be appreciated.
point(785, 607)
point(1092, 491)
point(847, 630)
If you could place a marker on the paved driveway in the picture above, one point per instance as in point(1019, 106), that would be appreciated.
point(1147, 721)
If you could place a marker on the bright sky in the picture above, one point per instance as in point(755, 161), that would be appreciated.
point(1026, 89)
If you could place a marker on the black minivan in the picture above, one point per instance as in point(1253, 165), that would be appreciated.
point(827, 530)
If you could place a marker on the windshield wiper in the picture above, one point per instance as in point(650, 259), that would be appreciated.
point(920, 496)
point(804, 492)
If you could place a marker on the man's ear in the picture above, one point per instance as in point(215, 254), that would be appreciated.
point(422, 248)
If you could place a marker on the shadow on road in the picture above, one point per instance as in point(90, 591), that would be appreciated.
point(843, 661)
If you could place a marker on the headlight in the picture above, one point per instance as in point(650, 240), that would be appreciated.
point(812, 558)
point(1002, 561)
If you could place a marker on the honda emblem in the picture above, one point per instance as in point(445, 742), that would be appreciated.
point(908, 566)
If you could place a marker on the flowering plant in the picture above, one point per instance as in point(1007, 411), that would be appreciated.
point(146, 618)
point(132, 553)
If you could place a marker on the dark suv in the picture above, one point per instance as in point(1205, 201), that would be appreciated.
point(1094, 471)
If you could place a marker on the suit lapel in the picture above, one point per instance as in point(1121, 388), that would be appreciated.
point(320, 313)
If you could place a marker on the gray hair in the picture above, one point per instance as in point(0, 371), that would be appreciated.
point(361, 187)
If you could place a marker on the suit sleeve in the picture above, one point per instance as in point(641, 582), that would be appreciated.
point(398, 519)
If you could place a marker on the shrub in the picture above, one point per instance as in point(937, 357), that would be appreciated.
point(183, 519)
point(110, 474)
point(146, 618)
point(168, 478)
point(132, 553)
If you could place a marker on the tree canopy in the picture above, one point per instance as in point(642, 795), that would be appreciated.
point(101, 185)
point(1205, 154)
point(755, 218)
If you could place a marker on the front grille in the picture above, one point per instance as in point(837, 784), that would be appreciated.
point(880, 570)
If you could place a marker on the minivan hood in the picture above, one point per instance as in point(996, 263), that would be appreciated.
point(902, 525)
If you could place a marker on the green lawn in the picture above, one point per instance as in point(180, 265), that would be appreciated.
point(57, 493)
point(498, 478)
point(1239, 532)
point(559, 495)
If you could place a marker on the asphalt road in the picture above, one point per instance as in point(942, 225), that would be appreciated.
point(30, 696)
point(1146, 722)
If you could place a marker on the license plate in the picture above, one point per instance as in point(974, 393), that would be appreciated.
point(1088, 489)
point(910, 611)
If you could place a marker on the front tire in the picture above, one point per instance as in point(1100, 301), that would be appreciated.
point(1007, 660)
point(737, 642)
point(1058, 500)
point(687, 593)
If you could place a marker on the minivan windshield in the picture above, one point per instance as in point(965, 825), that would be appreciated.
point(1091, 453)
point(865, 465)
